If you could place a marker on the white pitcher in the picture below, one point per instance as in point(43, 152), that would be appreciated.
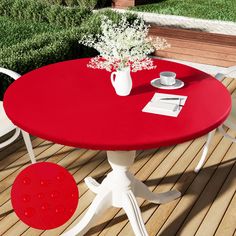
point(122, 81)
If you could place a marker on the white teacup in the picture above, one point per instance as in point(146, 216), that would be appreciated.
point(167, 78)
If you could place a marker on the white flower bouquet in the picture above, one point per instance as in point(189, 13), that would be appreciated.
point(123, 44)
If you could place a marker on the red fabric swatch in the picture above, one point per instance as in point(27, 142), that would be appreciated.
point(44, 195)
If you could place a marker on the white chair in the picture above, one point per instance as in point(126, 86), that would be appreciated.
point(229, 123)
point(7, 126)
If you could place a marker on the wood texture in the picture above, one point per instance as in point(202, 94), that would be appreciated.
point(207, 207)
point(197, 46)
point(129, 3)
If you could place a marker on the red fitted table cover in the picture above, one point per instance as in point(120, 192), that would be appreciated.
point(73, 105)
point(44, 195)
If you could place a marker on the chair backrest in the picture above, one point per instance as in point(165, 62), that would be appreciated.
point(5, 124)
point(10, 73)
point(229, 72)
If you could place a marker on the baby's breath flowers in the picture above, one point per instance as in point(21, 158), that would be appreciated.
point(123, 45)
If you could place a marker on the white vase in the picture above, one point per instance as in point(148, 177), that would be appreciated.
point(122, 81)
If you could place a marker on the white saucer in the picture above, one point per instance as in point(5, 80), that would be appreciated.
point(157, 84)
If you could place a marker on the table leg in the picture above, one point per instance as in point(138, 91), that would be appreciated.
point(119, 189)
point(92, 184)
point(205, 151)
point(99, 205)
point(142, 191)
point(133, 212)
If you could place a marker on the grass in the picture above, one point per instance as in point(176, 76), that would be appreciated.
point(224, 10)
point(13, 32)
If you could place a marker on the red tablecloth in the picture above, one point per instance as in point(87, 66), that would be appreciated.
point(71, 104)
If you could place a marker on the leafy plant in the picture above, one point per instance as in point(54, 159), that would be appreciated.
point(37, 11)
point(90, 4)
point(41, 50)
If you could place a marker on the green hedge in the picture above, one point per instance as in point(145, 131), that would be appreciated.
point(36, 11)
point(13, 32)
point(91, 4)
point(93, 23)
point(52, 46)
point(42, 50)
point(59, 43)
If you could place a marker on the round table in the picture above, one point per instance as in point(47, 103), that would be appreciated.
point(73, 105)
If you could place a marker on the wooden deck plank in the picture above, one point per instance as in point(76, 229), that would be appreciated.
point(173, 222)
point(194, 58)
point(51, 233)
point(170, 179)
point(202, 53)
point(159, 213)
point(194, 35)
point(177, 174)
point(228, 223)
point(12, 171)
point(209, 47)
point(19, 154)
point(16, 146)
point(203, 204)
point(211, 221)
point(197, 46)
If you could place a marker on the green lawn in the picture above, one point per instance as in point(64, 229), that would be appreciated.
point(205, 9)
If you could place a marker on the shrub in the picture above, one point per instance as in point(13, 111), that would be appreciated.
point(90, 4)
point(41, 50)
point(37, 11)
point(57, 44)
point(13, 32)
point(92, 23)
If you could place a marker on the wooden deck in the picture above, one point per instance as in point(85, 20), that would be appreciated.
point(197, 46)
point(207, 207)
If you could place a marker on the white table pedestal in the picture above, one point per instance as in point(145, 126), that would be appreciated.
point(119, 189)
